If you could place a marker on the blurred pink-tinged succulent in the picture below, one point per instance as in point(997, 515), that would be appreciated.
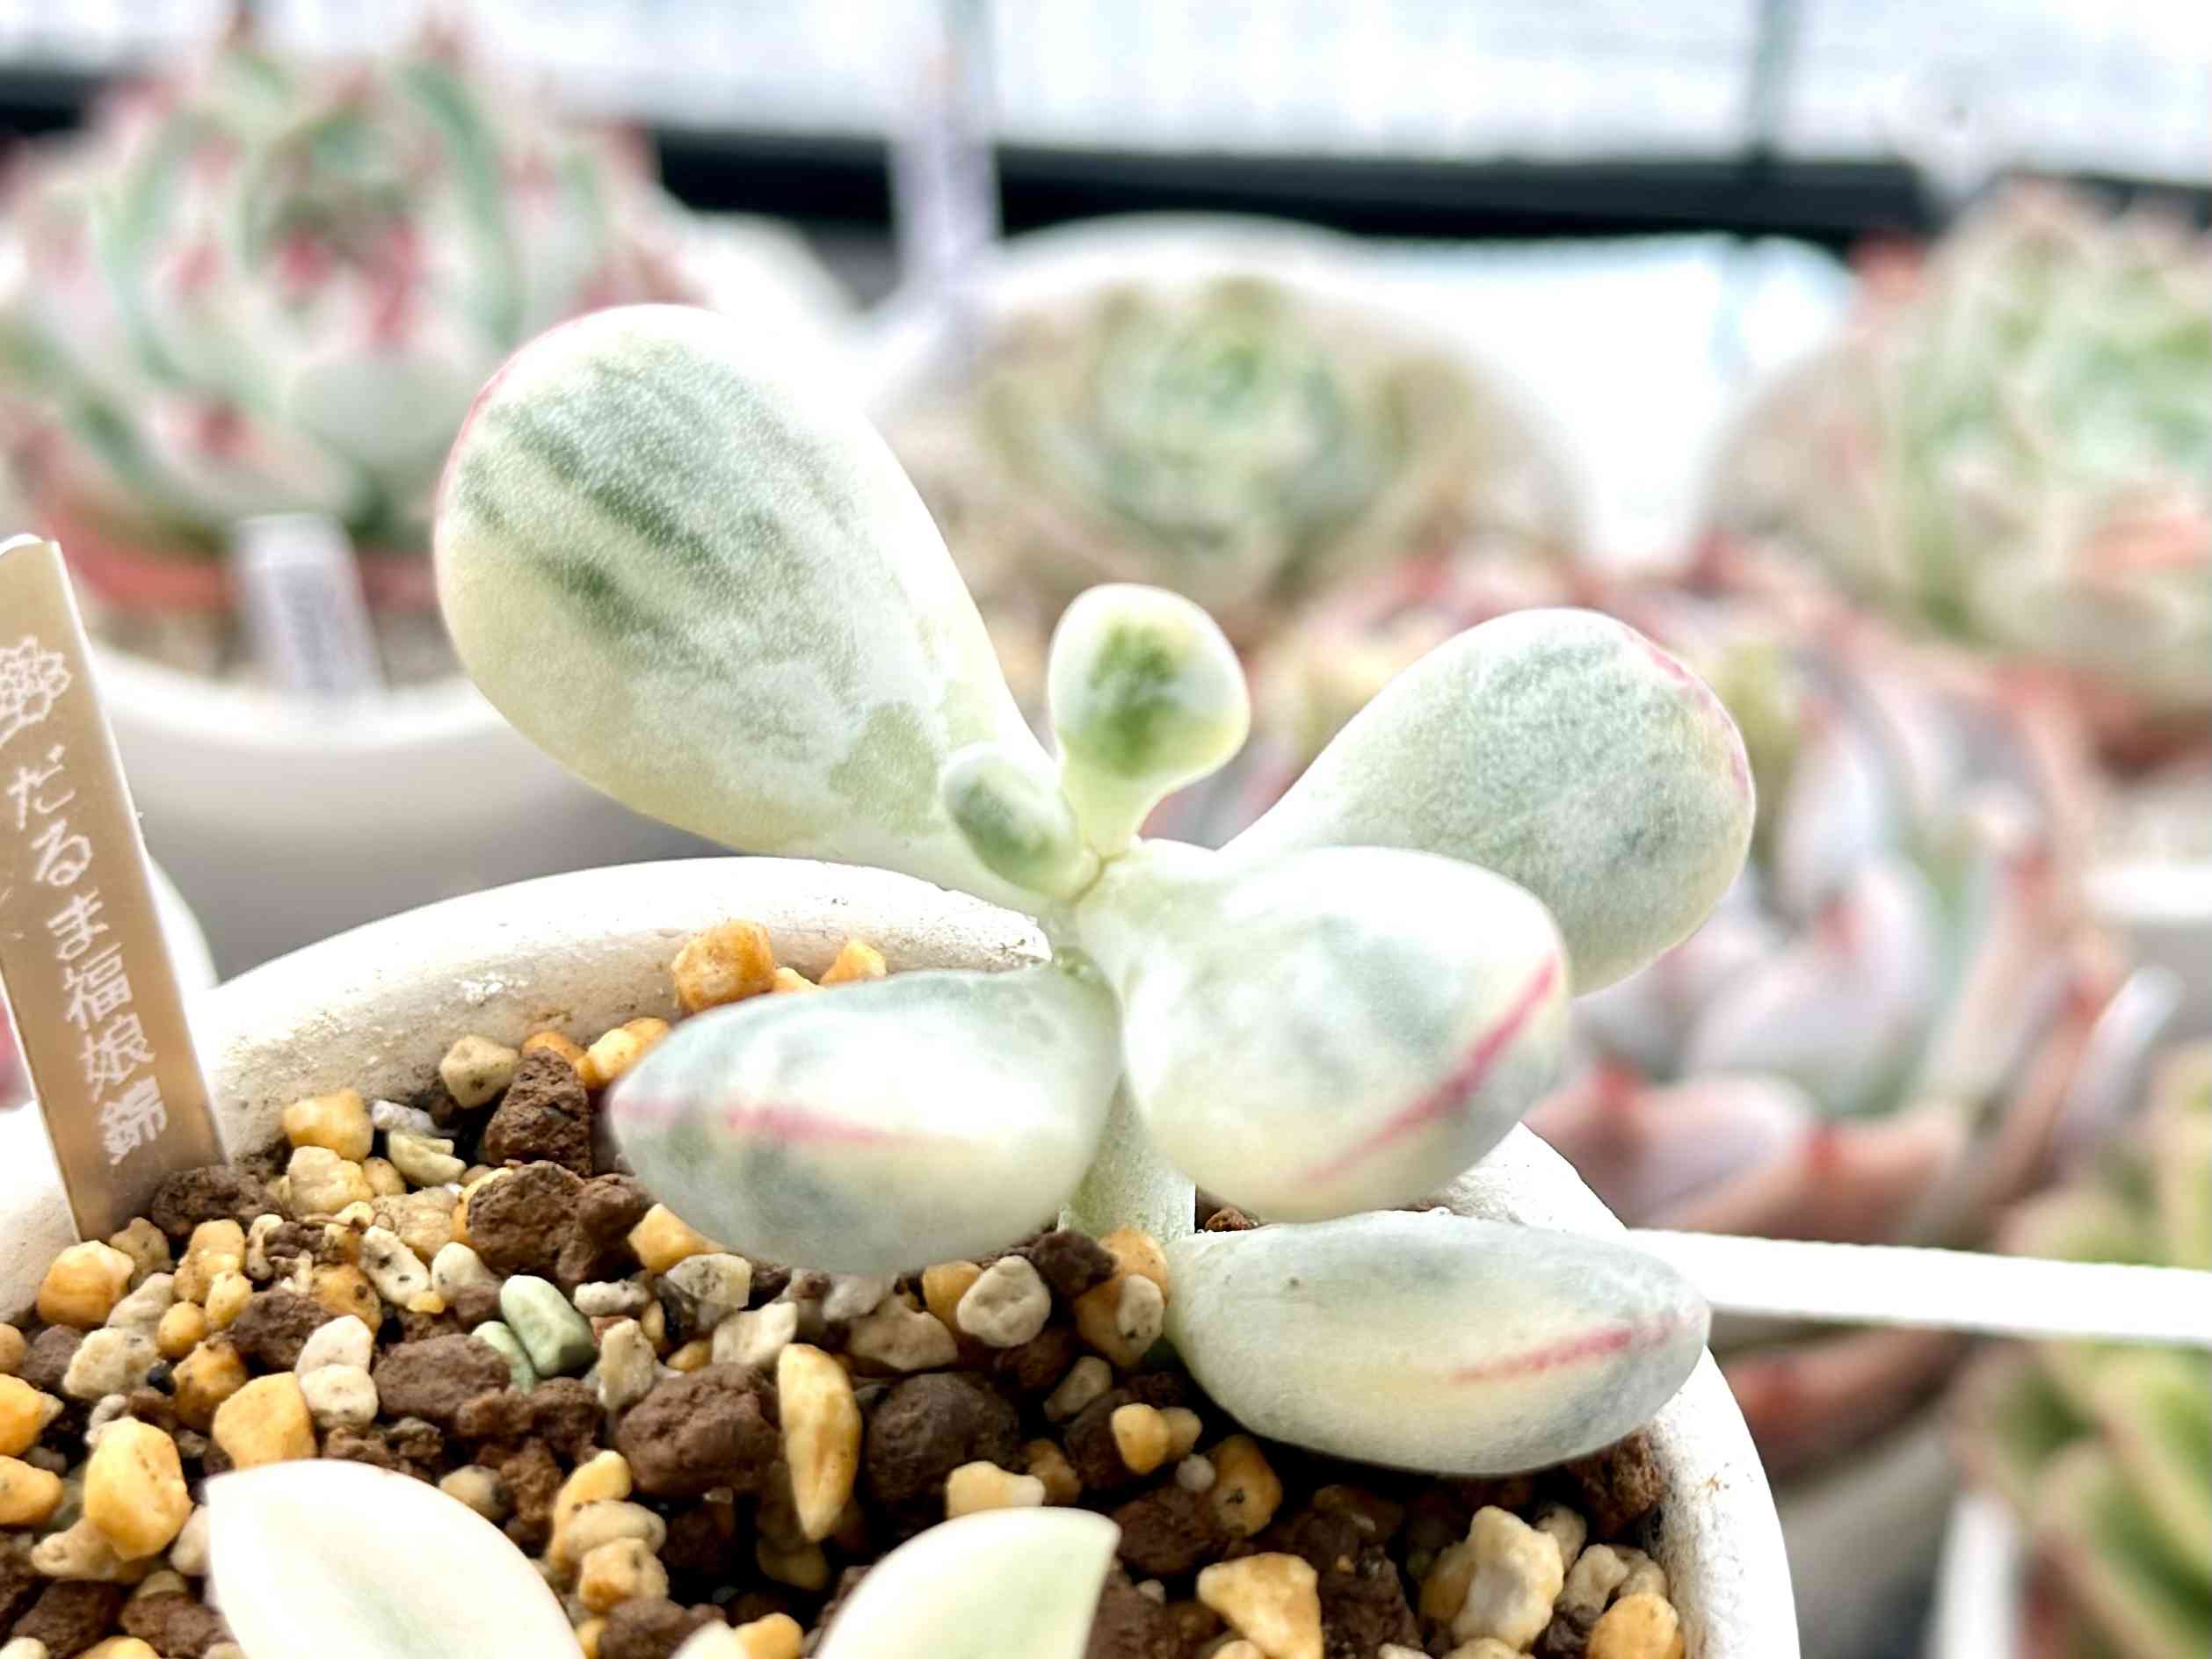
point(268, 286)
point(2012, 447)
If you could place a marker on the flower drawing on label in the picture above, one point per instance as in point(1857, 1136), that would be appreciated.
point(28, 790)
point(132, 1119)
point(75, 926)
point(31, 677)
point(112, 1053)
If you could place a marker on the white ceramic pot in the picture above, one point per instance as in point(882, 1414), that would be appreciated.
point(375, 1008)
point(285, 822)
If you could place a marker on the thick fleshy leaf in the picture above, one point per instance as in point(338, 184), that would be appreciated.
point(1697, 1148)
point(345, 1560)
point(1017, 821)
point(1843, 1010)
point(1433, 1341)
point(1565, 751)
point(712, 593)
point(2135, 1593)
point(1330, 1030)
point(1146, 695)
point(875, 1127)
point(1640, 1020)
point(2154, 1407)
point(1000, 1584)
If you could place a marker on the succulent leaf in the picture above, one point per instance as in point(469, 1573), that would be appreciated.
point(346, 1561)
point(1433, 1341)
point(1001, 1584)
point(878, 1127)
point(1562, 750)
point(1842, 1009)
point(1017, 821)
point(710, 591)
point(1146, 696)
point(1330, 1031)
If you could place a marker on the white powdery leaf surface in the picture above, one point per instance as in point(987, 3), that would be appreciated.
point(879, 1126)
point(345, 1560)
point(1561, 748)
point(710, 591)
point(1432, 1340)
point(1332, 1030)
point(1002, 1585)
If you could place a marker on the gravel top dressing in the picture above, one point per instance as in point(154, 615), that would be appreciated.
point(463, 1288)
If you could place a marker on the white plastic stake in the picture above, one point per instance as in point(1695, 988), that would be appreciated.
point(1940, 1290)
point(301, 593)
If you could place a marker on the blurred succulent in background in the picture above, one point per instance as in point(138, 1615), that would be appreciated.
point(2106, 1453)
point(1872, 1036)
point(1238, 439)
point(269, 286)
point(2015, 448)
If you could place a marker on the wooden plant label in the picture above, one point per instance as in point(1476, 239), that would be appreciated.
point(98, 1012)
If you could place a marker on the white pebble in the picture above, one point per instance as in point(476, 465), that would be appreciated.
point(851, 1295)
point(143, 1309)
point(339, 1395)
point(1087, 1379)
point(627, 1367)
point(612, 1298)
point(1194, 1474)
point(397, 1271)
point(713, 1286)
point(1007, 1306)
point(24, 1648)
point(901, 1338)
point(478, 1487)
point(107, 1410)
point(338, 1342)
point(188, 1554)
point(455, 1269)
point(426, 1160)
point(394, 1119)
point(109, 1362)
point(757, 1337)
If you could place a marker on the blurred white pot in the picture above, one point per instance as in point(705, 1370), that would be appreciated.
point(284, 821)
point(375, 1008)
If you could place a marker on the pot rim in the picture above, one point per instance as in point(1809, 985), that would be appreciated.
point(376, 1008)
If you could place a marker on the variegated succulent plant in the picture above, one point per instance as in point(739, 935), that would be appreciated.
point(1240, 440)
point(2015, 448)
point(2106, 1453)
point(267, 285)
point(1869, 1039)
point(714, 594)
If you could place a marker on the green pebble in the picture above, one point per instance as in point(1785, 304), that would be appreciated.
point(557, 1338)
point(495, 1334)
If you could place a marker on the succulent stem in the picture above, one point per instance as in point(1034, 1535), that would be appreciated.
point(1131, 1184)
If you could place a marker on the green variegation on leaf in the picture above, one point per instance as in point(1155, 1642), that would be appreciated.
point(2106, 1451)
point(1561, 748)
point(714, 595)
point(345, 1561)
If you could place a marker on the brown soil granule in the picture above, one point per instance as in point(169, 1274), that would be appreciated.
point(545, 1117)
point(434, 1379)
point(519, 1222)
point(713, 1428)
